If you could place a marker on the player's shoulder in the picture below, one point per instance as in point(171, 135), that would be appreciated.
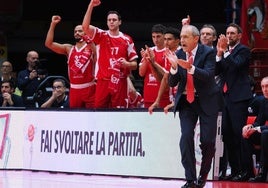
point(125, 36)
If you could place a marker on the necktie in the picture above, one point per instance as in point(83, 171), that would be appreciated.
point(190, 83)
point(225, 87)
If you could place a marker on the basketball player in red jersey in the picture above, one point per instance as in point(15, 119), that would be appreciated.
point(116, 57)
point(81, 65)
point(152, 79)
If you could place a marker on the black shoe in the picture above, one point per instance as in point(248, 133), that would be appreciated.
point(222, 175)
point(226, 177)
point(189, 184)
point(201, 181)
point(259, 178)
point(243, 176)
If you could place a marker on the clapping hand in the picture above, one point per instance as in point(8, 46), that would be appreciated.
point(222, 44)
point(150, 54)
point(171, 56)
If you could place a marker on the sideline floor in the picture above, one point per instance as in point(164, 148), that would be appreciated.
point(39, 179)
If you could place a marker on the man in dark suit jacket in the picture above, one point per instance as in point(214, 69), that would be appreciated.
point(233, 61)
point(257, 133)
point(7, 96)
point(205, 106)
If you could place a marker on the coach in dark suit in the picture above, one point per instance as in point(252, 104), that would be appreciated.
point(205, 106)
point(233, 61)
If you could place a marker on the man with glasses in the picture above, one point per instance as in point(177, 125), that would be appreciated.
point(8, 74)
point(7, 71)
point(59, 98)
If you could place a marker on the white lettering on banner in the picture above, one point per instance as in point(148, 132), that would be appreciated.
point(92, 143)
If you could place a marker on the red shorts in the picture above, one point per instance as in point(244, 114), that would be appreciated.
point(82, 98)
point(105, 98)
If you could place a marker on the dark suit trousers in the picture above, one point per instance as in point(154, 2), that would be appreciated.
point(189, 114)
point(259, 139)
point(234, 118)
point(264, 148)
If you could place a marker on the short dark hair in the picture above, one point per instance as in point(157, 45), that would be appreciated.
point(174, 31)
point(114, 12)
point(60, 80)
point(239, 29)
point(158, 28)
point(11, 83)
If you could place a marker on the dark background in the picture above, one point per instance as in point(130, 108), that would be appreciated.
point(131, 11)
point(25, 23)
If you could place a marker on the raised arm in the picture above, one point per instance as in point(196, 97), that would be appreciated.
point(87, 28)
point(49, 43)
